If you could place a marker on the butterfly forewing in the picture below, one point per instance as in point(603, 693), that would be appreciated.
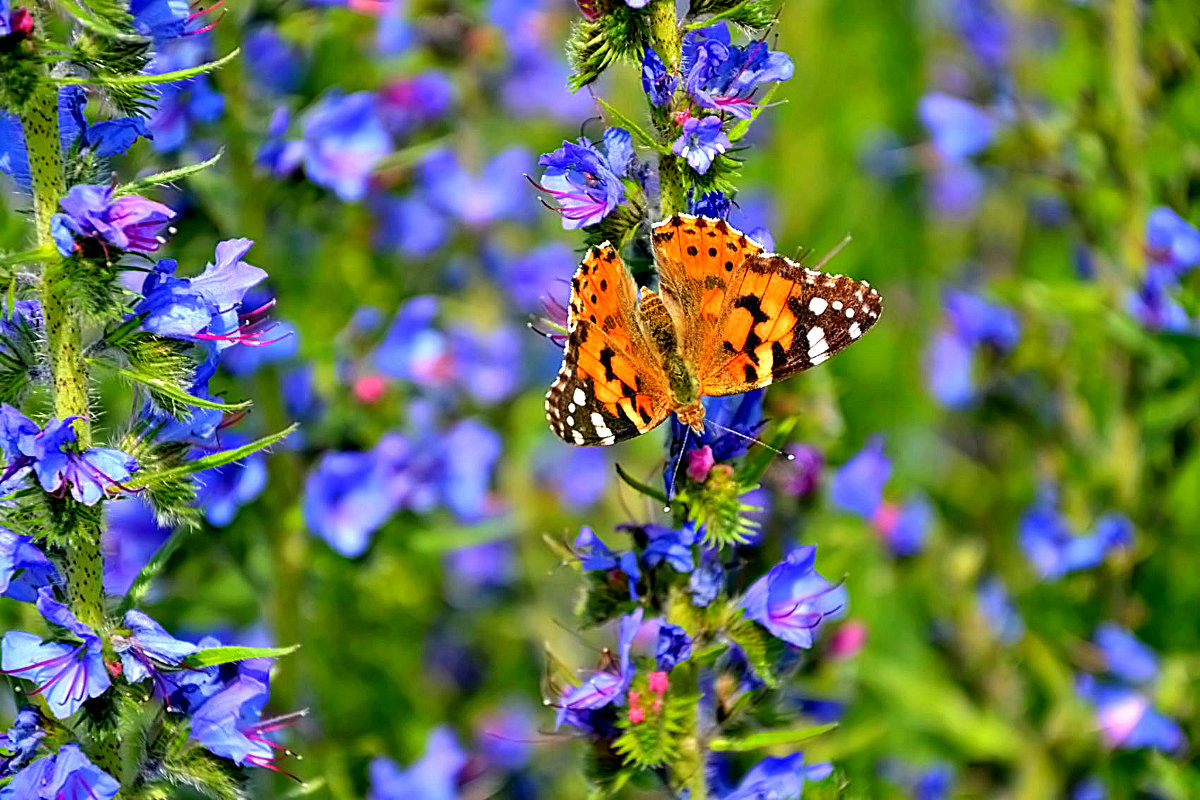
point(610, 386)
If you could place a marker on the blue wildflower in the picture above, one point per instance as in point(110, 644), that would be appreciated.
point(998, 610)
point(585, 182)
point(66, 775)
point(1124, 655)
point(130, 223)
point(578, 476)
point(670, 545)
point(706, 579)
point(986, 30)
point(146, 649)
point(658, 84)
point(712, 204)
point(778, 776)
point(603, 687)
point(801, 473)
point(1054, 549)
point(19, 744)
point(409, 224)
point(113, 137)
point(722, 76)
point(476, 200)
point(972, 323)
point(594, 554)
point(228, 724)
point(1090, 788)
point(415, 101)
point(205, 307)
point(1126, 718)
point(528, 277)
point(272, 61)
point(1154, 305)
point(959, 129)
point(346, 500)
point(182, 105)
point(792, 600)
point(47, 453)
point(160, 19)
point(66, 674)
point(505, 736)
point(701, 141)
point(434, 776)
point(277, 153)
point(344, 140)
point(474, 573)
point(731, 423)
point(858, 484)
point(131, 537)
point(225, 489)
point(470, 453)
point(535, 81)
point(673, 646)
point(1172, 241)
point(931, 782)
point(24, 568)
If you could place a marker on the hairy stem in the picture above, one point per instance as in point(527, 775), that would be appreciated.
point(666, 41)
point(687, 769)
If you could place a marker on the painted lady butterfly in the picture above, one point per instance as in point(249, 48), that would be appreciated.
point(730, 318)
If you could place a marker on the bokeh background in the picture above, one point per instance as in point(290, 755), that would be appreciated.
point(1010, 172)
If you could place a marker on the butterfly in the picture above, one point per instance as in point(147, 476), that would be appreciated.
point(728, 318)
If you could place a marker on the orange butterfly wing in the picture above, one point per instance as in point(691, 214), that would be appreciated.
point(764, 319)
point(610, 386)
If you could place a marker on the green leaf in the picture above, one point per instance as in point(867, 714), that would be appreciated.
point(761, 739)
point(756, 643)
point(638, 486)
point(159, 178)
point(152, 569)
point(214, 656)
point(208, 462)
point(644, 138)
point(168, 389)
point(742, 128)
point(90, 21)
point(146, 80)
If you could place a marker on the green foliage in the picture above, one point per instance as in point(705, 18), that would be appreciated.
point(655, 741)
point(214, 656)
point(753, 16)
point(618, 228)
point(169, 176)
point(20, 358)
point(595, 44)
point(716, 505)
point(106, 57)
point(89, 282)
point(723, 175)
point(164, 367)
point(761, 648)
point(172, 495)
point(20, 69)
point(152, 477)
point(760, 740)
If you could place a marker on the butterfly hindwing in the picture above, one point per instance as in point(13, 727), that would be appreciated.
point(610, 387)
point(781, 319)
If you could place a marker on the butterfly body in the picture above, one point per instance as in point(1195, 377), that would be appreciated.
point(728, 318)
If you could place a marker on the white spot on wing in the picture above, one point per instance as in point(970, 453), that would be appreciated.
point(818, 305)
point(579, 397)
point(855, 331)
point(815, 334)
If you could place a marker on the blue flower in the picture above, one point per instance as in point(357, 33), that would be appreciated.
point(434, 776)
point(24, 569)
point(160, 19)
point(1124, 655)
point(603, 687)
point(706, 579)
point(182, 105)
point(594, 554)
point(114, 136)
point(1171, 241)
point(529, 277)
point(19, 745)
point(1054, 550)
point(958, 128)
point(778, 777)
point(577, 476)
point(712, 204)
point(904, 527)
point(978, 321)
point(673, 646)
point(146, 649)
point(14, 157)
point(205, 307)
point(415, 101)
point(476, 200)
point(1126, 718)
point(344, 140)
point(701, 141)
point(722, 76)
point(585, 182)
point(670, 545)
point(130, 223)
point(272, 62)
point(1090, 788)
point(658, 84)
point(1154, 305)
point(858, 484)
point(66, 674)
point(131, 537)
point(346, 500)
point(986, 30)
point(932, 782)
point(66, 775)
point(792, 600)
point(506, 736)
point(998, 610)
point(48, 454)
point(409, 224)
point(227, 722)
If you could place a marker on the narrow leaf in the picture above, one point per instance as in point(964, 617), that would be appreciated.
point(154, 567)
point(638, 486)
point(761, 739)
point(159, 178)
point(224, 655)
point(85, 18)
point(146, 80)
point(170, 390)
point(37, 254)
point(742, 128)
point(208, 462)
point(641, 135)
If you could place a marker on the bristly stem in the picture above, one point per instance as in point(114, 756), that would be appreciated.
point(666, 41)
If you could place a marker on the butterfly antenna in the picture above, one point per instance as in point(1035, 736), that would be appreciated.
point(776, 450)
point(829, 256)
point(675, 472)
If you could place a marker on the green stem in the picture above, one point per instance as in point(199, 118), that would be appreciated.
point(687, 769)
point(665, 38)
point(83, 565)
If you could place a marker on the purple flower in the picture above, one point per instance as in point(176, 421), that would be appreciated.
point(585, 182)
point(434, 776)
point(228, 724)
point(792, 600)
point(114, 136)
point(24, 569)
point(712, 204)
point(701, 141)
point(346, 500)
point(986, 30)
point(722, 76)
point(998, 610)
point(535, 82)
point(673, 646)
point(1124, 655)
point(415, 101)
point(66, 674)
point(670, 545)
point(505, 736)
point(160, 19)
point(904, 527)
point(344, 140)
point(658, 84)
point(1090, 788)
point(1154, 305)
point(594, 554)
point(577, 476)
point(778, 777)
point(271, 61)
point(130, 223)
point(800, 475)
point(978, 321)
point(66, 775)
point(205, 307)
point(959, 129)
point(858, 484)
point(47, 452)
point(1126, 718)
point(131, 537)
point(146, 649)
point(602, 687)
point(476, 200)
point(182, 104)
point(474, 573)
point(20, 743)
point(932, 782)
point(1054, 549)
point(529, 277)
point(1171, 241)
